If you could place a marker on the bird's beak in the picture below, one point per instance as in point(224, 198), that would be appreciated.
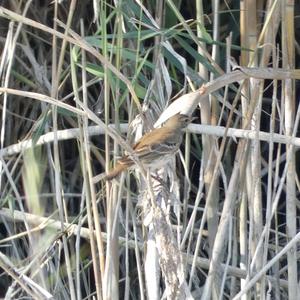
point(193, 119)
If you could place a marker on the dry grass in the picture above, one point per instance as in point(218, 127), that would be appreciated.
point(221, 223)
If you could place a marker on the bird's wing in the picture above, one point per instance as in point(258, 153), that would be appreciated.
point(162, 148)
point(157, 136)
point(155, 142)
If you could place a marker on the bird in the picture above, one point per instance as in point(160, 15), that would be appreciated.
point(154, 148)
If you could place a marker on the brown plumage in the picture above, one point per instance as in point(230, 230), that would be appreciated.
point(155, 147)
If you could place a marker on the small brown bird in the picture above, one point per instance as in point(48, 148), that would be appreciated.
point(154, 148)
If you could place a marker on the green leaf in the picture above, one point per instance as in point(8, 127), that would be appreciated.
point(39, 126)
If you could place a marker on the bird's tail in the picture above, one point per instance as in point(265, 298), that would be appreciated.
point(118, 169)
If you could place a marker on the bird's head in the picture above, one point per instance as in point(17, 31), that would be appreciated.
point(179, 121)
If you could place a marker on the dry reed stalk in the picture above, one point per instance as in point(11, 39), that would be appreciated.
point(247, 250)
point(288, 91)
